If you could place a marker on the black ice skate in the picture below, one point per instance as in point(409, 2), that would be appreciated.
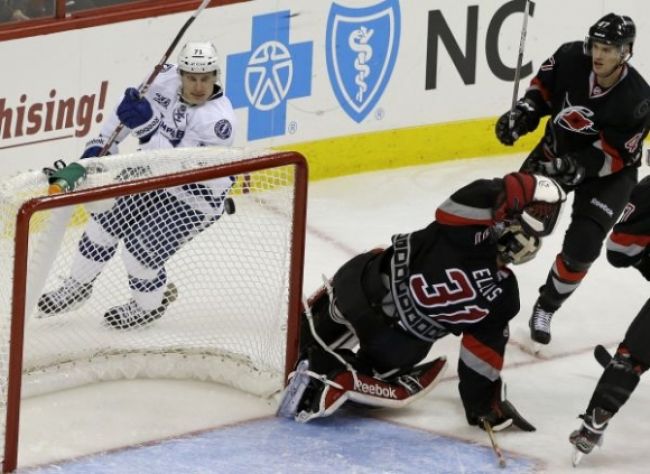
point(590, 433)
point(67, 297)
point(130, 315)
point(540, 324)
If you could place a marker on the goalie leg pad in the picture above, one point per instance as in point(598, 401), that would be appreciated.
point(329, 324)
point(366, 390)
point(399, 391)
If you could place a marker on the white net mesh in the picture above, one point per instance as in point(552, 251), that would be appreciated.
point(228, 320)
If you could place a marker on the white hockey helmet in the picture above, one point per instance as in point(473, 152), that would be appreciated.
point(199, 57)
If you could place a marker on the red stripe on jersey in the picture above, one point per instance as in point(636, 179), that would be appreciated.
point(483, 352)
point(537, 84)
point(627, 240)
point(617, 163)
point(444, 217)
point(567, 275)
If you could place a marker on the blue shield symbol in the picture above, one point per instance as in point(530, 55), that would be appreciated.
point(361, 48)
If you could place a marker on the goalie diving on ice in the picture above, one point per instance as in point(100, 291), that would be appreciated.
point(365, 334)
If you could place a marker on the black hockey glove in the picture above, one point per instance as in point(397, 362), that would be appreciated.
point(525, 119)
point(502, 414)
point(564, 169)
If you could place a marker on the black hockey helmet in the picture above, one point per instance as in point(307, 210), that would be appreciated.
point(617, 30)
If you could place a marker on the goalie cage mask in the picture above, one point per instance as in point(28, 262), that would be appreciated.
point(515, 246)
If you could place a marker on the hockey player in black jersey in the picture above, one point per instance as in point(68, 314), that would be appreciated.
point(449, 278)
point(627, 246)
point(598, 107)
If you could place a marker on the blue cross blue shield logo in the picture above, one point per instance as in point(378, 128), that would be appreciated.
point(361, 48)
point(268, 75)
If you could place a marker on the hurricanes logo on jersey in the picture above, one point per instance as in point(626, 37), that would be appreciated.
point(576, 118)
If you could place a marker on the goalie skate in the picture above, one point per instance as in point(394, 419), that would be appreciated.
point(69, 296)
point(292, 394)
point(131, 315)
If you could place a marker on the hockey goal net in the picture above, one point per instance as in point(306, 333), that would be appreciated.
point(238, 281)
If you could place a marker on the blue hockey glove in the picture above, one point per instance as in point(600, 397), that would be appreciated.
point(95, 146)
point(136, 113)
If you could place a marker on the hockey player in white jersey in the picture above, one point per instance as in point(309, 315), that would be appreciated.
point(184, 107)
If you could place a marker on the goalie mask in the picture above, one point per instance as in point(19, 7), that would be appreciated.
point(198, 58)
point(515, 246)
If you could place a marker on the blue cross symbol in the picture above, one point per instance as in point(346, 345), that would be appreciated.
point(268, 75)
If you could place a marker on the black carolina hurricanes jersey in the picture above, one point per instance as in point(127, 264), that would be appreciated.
point(602, 128)
point(444, 277)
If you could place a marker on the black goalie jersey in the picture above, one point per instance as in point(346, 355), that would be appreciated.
point(444, 278)
point(603, 129)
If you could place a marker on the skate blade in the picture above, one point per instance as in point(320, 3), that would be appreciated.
point(293, 392)
point(577, 457)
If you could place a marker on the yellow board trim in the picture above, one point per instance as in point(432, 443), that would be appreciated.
point(406, 147)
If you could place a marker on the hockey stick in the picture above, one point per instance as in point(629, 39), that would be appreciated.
point(54, 230)
point(156, 70)
point(495, 447)
point(520, 58)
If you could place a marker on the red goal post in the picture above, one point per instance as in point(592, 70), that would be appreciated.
point(260, 247)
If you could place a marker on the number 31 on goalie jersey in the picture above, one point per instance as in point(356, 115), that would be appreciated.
point(442, 299)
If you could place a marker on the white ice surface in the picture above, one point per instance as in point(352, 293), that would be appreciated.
point(349, 215)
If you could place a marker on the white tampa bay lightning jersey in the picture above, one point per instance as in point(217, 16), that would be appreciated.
point(182, 124)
